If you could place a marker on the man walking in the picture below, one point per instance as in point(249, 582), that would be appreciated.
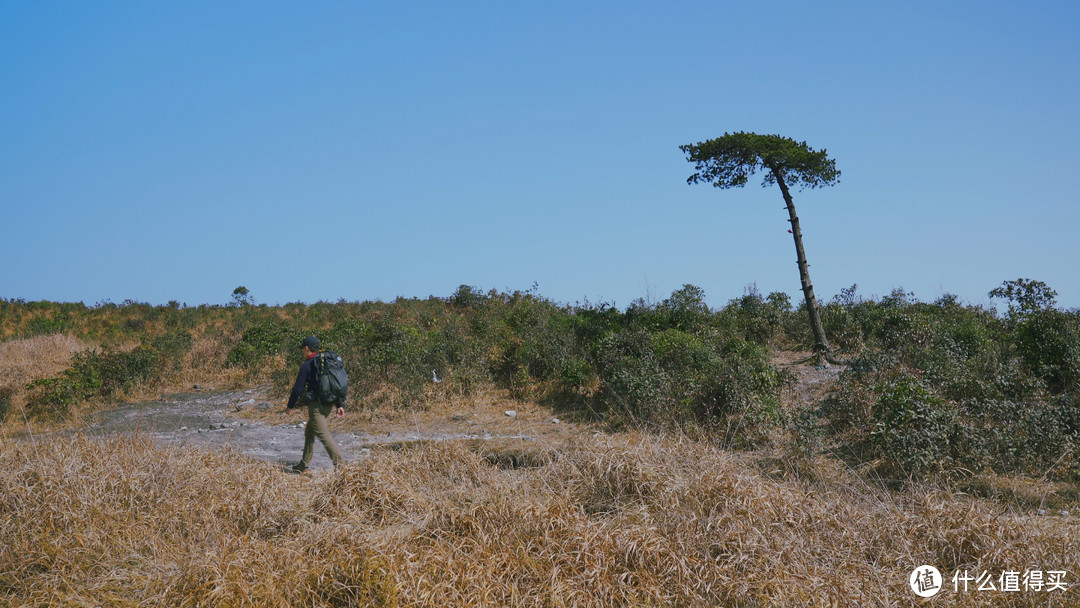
point(306, 388)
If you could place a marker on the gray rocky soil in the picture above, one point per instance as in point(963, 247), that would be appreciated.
point(242, 421)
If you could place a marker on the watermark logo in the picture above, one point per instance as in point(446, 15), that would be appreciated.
point(925, 581)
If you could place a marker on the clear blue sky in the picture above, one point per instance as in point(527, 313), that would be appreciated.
point(311, 151)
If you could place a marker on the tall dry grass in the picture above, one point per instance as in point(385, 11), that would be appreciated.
point(627, 520)
point(121, 523)
point(23, 361)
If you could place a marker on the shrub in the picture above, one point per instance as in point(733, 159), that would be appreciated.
point(397, 352)
point(765, 321)
point(535, 343)
point(947, 386)
point(686, 310)
point(1017, 436)
point(912, 427)
point(673, 376)
point(105, 374)
point(259, 342)
point(6, 392)
point(1049, 343)
point(633, 383)
point(172, 346)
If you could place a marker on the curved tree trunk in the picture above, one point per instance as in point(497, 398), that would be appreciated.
point(821, 342)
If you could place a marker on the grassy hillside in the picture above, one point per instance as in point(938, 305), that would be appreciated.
point(932, 388)
point(708, 473)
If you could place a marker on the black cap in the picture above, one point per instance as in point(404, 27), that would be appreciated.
point(311, 342)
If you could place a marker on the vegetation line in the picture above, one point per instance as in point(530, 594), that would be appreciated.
point(713, 471)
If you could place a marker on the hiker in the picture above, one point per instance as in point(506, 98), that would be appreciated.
point(305, 388)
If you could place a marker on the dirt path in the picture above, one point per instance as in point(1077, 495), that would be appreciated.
point(244, 421)
point(812, 382)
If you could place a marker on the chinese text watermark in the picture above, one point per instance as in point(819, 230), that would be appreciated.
point(927, 581)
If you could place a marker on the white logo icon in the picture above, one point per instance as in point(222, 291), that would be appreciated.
point(925, 581)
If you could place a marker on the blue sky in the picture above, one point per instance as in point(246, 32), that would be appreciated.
point(368, 150)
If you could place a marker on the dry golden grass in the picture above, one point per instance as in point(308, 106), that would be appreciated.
point(600, 520)
point(26, 360)
point(22, 361)
point(121, 523)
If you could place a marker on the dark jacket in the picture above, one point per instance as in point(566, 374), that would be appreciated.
point(305, 383)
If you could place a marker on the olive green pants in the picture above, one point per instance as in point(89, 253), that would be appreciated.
point(317, 427)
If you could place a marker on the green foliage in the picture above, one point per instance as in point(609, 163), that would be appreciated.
point(6, 392)
point(946, 387)
point(21, 319)
point(912, 426)
point(1048, 341)
point(107, 324)
point(676, 364)
point(730, 160)
point(172, 346)
point(96, 374)
point(846, 318)
point(686, 309)
point(930, 387)
point(765, 321)
point(1008, 435)
point(467, 297)
point(397, 353)
point(1025, 296)
point(260, 341)
point(673, 363)
point(242, 297)
point(535, 343)
point(633, 381)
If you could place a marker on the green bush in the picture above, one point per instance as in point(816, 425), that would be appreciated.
point(1007, 387)
point(1014, 436)
point(1049, 343)
point(676, 369)
point(105, 374)
point(398, 354)
point(945, 386)
point(628, 363)
point(6, 392)
point(172, 346)
point(534, 343)
point(765, 321)
point(912, 427)
point(260, 342)
point(633, 383)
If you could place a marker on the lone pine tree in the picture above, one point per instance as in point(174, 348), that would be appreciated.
point(729, 161)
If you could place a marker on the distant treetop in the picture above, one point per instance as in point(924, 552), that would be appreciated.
point(730, 160)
